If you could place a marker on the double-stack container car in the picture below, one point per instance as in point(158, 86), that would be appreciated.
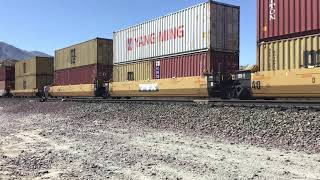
point(83, 69)
point(288, 54)
point(32, 75)
point(7, 79)
point(288, 48)
point(169, 55)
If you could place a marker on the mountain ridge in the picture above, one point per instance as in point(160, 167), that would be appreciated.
point(8, 51)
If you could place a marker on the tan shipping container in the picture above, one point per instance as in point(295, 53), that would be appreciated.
point(95, 51)
point(33, 82)
point(289, 53)
point(133, 71)
point(34, 66)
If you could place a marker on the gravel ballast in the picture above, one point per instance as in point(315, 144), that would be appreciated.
point(272, 127)
point(70, 140)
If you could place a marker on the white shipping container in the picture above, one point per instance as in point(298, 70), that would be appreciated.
point(201, 27)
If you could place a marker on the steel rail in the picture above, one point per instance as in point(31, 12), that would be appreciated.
point(283, 104)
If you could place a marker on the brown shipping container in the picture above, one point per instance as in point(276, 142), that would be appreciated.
point(289, 53)
point(281, 19)
point(195, 64)
point(132, 72)
point(83, 74)
point(34, 66)
point(7, 73)
point(95, 51)
point(225, 27)
point(30, 82)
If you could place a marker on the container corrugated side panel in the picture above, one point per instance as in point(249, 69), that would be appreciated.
point(104, 72)
point(225, 25)
point(10, 73)
point(44, 66)
point(83, 75)
point(43, 80)
point(86, 54)
point(7, 73)
point(2, 73)
point(18, 71)
point(10, 84)
point(192, 34)
point(287, 54)
point(225, 62)
point(105, 52)
point(2, 85)
point(94, 51)
point(6, 84)
point(282, 19)
point(77, 75)
point(141, 70)
point(31, 82)
point(195, 64)
point(181, 66)
point(30, 67)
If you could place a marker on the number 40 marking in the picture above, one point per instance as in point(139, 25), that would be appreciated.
point(256, 85)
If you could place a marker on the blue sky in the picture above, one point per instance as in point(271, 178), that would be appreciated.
point(47, 25)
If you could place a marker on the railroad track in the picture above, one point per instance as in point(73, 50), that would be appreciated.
point(151, 101)
point(283, 104)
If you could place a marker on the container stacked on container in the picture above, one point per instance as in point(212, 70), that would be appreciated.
point(79, 67)
point(202, 38)
point(32, 75)
point(7, 77)
point(288, 34)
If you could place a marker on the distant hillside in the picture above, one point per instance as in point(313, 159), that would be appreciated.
point(8, 62)
point(8, 51)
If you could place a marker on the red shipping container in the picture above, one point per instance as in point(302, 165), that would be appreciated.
point(7, 85)
point(282, 19)
point(7, 73)
point(195, 64)
point(83, 75)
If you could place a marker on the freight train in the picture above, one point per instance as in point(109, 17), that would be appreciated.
point(190, 53)
point(300, 83)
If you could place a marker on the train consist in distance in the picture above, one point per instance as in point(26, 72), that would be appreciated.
point(193, 52)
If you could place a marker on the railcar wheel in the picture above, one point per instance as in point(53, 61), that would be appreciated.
point(104, 95)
